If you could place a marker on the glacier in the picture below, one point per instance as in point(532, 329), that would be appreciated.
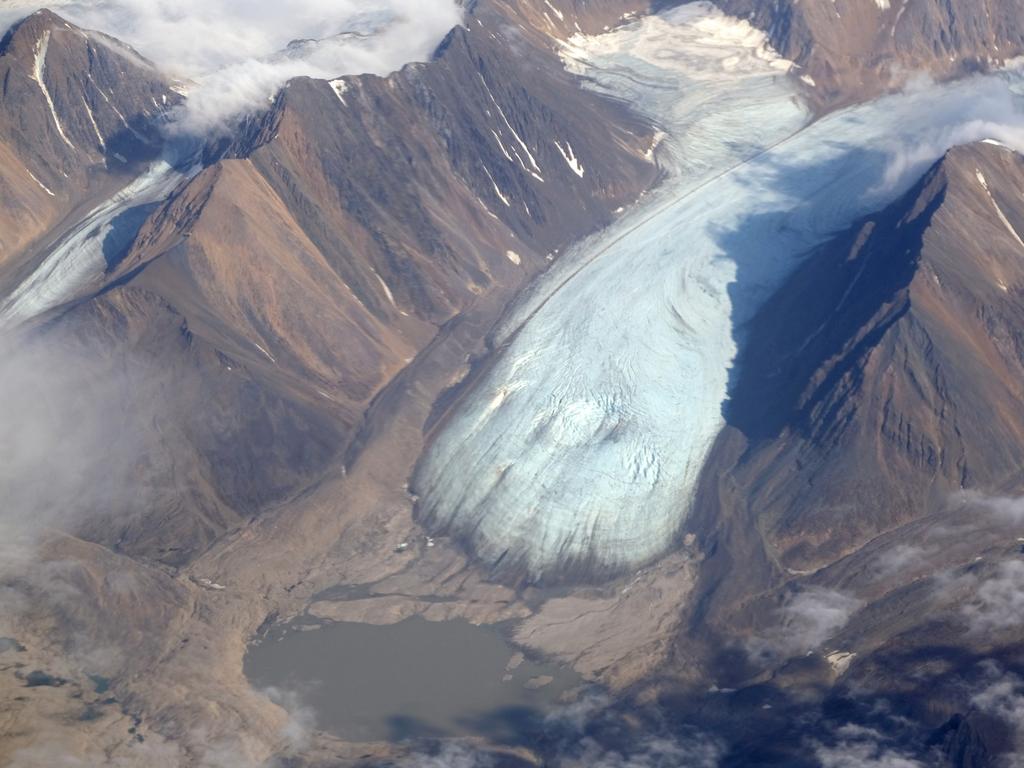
point(579, 448)
point(78, 262)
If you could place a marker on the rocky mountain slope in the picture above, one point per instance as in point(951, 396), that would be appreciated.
point(876, 409)
point(247, 384)
point(347, 246)
point(892, 365)
point(849, 49)
point(324, 248)
point(78, 111)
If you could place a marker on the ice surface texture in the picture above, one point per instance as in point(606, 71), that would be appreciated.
point(580, 448)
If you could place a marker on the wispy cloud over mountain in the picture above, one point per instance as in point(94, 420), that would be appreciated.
point(237, 54)
point(859, 747)
point(989, 111)
point(806, 620)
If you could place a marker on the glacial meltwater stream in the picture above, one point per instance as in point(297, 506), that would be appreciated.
point(582, 443)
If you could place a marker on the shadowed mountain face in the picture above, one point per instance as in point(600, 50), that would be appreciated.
point(887, 374)
point(78, 109)
point(849, 49)
point(875, 410)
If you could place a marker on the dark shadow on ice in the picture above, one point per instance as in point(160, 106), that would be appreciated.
point(123, 229)
point(785, 329)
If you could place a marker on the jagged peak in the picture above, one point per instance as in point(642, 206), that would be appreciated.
point(24, 36)
point(30, 29)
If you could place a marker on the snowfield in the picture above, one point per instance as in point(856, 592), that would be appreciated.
point(583, 443)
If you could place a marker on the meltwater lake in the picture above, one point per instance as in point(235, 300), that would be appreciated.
point(409, 680)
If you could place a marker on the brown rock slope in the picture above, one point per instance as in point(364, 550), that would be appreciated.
point(883, 378)
point(848, 577)
point(340, 232)
point(274, 340)
point(77, 110)
point(853, 48)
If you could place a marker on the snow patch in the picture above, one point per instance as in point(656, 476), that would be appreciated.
point(387, 291)
point(340, 88)
point(262, 349)
point(999, 211)
point(497, 190)
point(92, 122)
point(42, 186)
point(840, 661)
point(558, 13)
point(39, 75)
point(535, 172)
point(570, 158)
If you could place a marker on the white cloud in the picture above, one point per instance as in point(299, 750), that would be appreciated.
point(859, 747)
point(988, 111)
point(1006, 508)
point(900, 559)
point(574, 737)
point(806, 620)
point(698, 752)
point(576, 731)
point(237, 52)
point(67, 447)
point(997, 602)
point(1003, 698)
point(301, 722)
point(450, 754)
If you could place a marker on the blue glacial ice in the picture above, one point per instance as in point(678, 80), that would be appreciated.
point(581, 445)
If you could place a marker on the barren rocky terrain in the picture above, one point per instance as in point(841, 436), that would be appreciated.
point(225, 357)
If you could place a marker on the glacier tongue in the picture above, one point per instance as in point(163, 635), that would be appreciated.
point(581, 445)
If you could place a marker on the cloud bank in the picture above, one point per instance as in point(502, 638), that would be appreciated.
point(1008, 509)
point(859, 747)
point(237, 53)
point(989, 110)
point(68, 445)
point(997, 602)
point(1003, 698)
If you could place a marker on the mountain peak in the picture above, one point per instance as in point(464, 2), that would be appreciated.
point(29, 30)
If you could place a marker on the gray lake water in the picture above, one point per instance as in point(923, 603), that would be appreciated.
point(410, 680)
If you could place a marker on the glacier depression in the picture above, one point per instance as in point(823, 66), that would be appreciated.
point(580, 446)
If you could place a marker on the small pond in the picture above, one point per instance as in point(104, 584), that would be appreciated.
point(412, 679)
